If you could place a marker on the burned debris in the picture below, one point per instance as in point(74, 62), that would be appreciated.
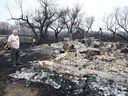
point(76, 68)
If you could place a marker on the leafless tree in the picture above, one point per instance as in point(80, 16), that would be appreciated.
point(58, 26)
point(84, 25)
point(71, 18)
point(24, 18)
point(47, 16)
point(112, 25)
point(121, 16)
point(40, 21)
point(5, 28)
point(89, 21)
point(76, 22)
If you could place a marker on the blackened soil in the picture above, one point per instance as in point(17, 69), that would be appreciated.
point(6, 69)
point(6, 83)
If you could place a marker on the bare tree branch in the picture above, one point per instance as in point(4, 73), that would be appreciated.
point(112, 24)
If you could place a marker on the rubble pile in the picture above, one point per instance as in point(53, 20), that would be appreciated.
point(99, 67)
point(106, 57)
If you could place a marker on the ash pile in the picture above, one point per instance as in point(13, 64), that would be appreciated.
point(85, 67)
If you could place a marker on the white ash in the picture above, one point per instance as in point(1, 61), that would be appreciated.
point(35, 76)
point(109, 89)
point(23, 74)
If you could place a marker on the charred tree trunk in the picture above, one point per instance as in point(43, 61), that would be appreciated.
point(114, 34)
point(101, 33)
point(56, 36)
point(123, 37)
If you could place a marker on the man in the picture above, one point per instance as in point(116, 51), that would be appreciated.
point(14, 44)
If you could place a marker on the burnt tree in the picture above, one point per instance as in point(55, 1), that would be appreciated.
point(41, 20)
point(112, 25)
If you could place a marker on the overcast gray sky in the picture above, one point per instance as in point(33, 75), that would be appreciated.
point(97, 8)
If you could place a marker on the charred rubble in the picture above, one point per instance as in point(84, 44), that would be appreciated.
point(79, 68)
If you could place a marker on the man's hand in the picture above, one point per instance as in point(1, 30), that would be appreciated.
point(7, 46)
